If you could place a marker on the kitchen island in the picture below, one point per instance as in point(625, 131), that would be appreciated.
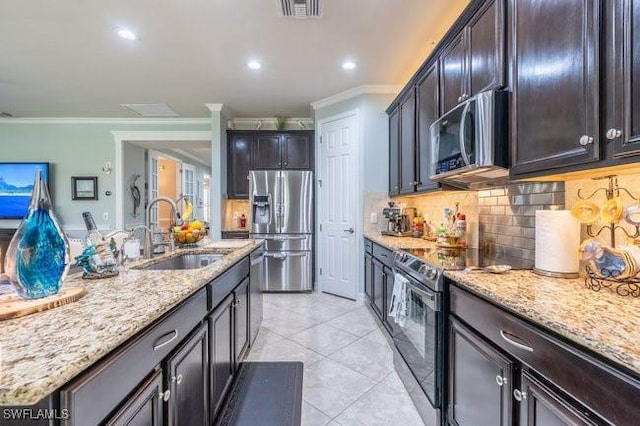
point(43, 352)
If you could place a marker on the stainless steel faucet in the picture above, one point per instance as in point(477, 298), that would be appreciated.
point(148, 244)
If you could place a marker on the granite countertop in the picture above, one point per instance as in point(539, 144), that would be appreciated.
point(43, 351)
point(602, 322)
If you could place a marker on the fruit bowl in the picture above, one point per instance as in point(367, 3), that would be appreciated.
point(188, 233)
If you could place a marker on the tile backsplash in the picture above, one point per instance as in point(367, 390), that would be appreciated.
point(507, 216)
point(231, 208)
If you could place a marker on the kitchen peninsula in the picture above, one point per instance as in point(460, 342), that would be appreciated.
point(121, 337)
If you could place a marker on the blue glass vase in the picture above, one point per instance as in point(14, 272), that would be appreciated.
point(37, 258)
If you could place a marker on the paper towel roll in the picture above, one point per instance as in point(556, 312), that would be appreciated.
point(557, 243)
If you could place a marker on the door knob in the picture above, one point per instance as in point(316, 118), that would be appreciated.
point(350, 230)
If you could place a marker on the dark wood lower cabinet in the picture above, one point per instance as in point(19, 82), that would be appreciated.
point(241, 327)
point(377, 288)
point(144, 407)
point(221, 352)
point(480, 380)
point(388, 293)
point(540, 405)
point(187, 379)
point(368, 275)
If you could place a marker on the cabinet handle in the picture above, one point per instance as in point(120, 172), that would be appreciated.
point(613, 134)
point(166, 342)
point(178, 379)
point(501, 380)
point(519, 395)
point(165, 395)
point(459, 98)
point(238, 302)
point(586, 140)
point(395, 187)
point(505, 336)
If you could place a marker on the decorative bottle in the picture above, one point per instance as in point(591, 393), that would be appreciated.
point(37, 259)
point(104, 261)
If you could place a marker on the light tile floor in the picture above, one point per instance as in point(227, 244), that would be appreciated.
point(349, 379)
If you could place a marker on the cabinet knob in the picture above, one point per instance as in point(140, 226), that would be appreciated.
point(279, 163)
point(285, 163)
point(613, 134)
point(165, 395)
point(178, 379)
point(586, 140)
point(459, 98)
point(501, 380)
point(519, 395)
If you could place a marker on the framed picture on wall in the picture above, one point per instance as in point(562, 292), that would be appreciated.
point(84, 187)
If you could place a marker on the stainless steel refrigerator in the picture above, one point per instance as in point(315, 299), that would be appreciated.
point(281, 212)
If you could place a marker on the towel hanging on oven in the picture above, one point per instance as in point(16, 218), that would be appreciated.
point(398, 304)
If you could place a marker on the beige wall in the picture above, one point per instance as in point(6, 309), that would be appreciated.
point(167, 187)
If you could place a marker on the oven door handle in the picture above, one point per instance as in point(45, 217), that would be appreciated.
point(432, 300)
point(463, 125)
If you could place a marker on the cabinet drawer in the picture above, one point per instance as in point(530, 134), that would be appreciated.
point(368, 246)
point(94, 395)
point(222, 286)
point(383, 254)
point(608, 392)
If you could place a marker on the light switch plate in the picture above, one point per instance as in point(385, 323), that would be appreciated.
point(373, 218)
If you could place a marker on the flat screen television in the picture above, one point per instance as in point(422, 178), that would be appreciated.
point(16, 185)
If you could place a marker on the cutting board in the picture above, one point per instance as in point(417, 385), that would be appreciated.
point(11, 306)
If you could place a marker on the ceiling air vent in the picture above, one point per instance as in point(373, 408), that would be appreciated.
point(151, 110)
point(300, 8)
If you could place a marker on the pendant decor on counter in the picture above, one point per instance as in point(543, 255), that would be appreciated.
point(37, 259)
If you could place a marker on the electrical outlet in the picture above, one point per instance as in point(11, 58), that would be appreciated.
point(373, 218)
point(105, 216)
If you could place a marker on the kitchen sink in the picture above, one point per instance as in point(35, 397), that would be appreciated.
point(184, 261)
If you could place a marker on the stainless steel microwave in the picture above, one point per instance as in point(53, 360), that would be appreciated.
point(469, 144)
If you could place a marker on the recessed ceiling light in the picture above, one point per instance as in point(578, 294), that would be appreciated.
point(254, 65)
point(348, 65)
point(126, 33)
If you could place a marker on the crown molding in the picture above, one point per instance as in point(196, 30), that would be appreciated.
point(191, 156)
point(271, 122)
point(102, 120)
point(369, 89)
point(161, 135)
point(214, 107)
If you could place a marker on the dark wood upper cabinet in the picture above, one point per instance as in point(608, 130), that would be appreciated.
point(486, 43)
point(480, 380)
point(408, 143)
point(474, 61)
point(188, 380)
point(266, 149)
point(622, 128)
point(297, 151)
point(239, 153)
point(428, 111)
point(394, 152)
point(453, 64)
point(555, 105)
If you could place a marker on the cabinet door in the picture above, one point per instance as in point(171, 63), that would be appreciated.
point(388, 293)
point(144, 408)
point(486, 42)
point(542, 406)
point(368, 275)
point(221, 352)
point(239, 155)
point(241, 326)
point(428, 99)
point(623, 121)
point(408, 143)
point(297, 151)
point(187, 377)
point(480, 380)
point(394, 152)
point(453, 65)
point(377, 288)
point(555, 85)
point(266, 152)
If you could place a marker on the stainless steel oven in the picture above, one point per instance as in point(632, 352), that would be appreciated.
point(420, 338)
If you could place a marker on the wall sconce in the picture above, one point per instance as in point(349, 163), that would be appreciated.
point(107, 167)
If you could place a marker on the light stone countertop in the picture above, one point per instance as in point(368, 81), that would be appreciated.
point(603, 322)
point(41, 352)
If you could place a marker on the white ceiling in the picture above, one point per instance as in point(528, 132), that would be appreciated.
point(62, 59)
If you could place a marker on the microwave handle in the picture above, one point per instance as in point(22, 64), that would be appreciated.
point(463, 123)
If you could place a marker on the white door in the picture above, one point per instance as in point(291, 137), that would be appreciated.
point(338, 207)
point(152, 191)
point(189, 185)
